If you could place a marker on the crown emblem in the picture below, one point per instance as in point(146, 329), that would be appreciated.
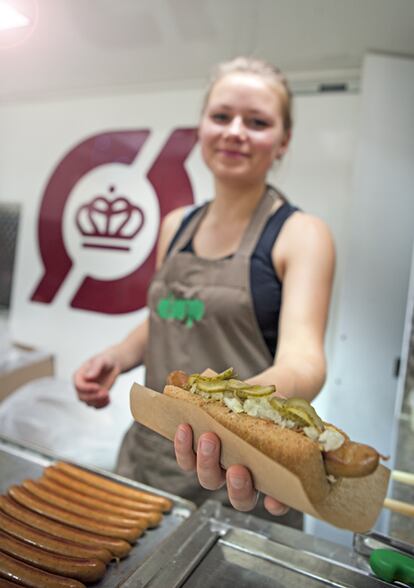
point(109, 224)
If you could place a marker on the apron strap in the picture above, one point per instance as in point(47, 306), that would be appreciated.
point(257, 223)
point(190, 229)
point(252, 233)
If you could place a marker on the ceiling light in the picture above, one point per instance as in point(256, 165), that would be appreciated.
point(10, 18)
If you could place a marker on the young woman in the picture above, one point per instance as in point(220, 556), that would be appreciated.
point(257, 270)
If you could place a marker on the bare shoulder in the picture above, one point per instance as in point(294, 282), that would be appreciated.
point(305, 229)
point(172, 220)
point(169, 227)
point(306, 236)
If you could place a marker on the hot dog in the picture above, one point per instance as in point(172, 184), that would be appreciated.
point(52, 473)
point(43, 493)
point(286, 430)
point(118, 547)
point(85, 570)
point(30, 576)
point(109, 485)
point(22, 496)
point(49, 543)
point(152, 518)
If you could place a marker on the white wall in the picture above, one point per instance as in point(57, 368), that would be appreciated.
point(363, 396)
point(315, 175)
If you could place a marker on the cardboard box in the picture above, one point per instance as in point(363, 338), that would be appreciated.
point(26, 364)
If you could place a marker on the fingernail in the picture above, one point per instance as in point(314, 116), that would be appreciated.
point(237, 483)
point(281, 511)
point(207, 447)
point(181, 435)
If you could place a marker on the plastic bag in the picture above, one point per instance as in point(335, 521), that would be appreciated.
point(46, 413)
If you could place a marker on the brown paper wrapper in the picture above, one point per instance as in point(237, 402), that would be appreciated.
point(352, 504)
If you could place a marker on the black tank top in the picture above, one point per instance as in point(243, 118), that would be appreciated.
point(265, 286)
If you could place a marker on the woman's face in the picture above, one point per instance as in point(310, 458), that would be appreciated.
point(241, 131)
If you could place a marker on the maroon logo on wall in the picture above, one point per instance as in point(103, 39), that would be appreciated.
point(108, 222)
point(101, 222)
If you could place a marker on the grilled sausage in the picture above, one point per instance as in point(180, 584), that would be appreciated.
point(76, 508)
point(118, 547)
point(56, 475)
point(111, 486)
point(153, 518)
point(7, 584)
point(45, 541)
point(178, 378)
point(351, 460)
point(14, 569)
point(85, 570)
point(29, 500)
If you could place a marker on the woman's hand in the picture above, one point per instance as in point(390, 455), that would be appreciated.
point(242, 494)
point(94, 379)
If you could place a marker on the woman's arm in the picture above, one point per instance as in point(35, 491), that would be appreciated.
point(304, 260)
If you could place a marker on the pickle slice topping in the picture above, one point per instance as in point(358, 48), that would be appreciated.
point(303, 410)
point(297, 410)
point(254, 391)
point(211, 387)
point(227, 383)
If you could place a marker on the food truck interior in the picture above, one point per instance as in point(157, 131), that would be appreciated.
point(99, 104)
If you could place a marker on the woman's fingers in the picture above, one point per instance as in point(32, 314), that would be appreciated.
point(274, 506)
point(94, 379)
point(206, 462)
point(95, 367)
point(183, 445)
point(242, 494)
point(97, 398)
point(210, 474)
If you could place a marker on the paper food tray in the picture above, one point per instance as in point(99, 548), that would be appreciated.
point(352, 504)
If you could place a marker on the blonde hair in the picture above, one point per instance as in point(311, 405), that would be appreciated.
point(263, 69)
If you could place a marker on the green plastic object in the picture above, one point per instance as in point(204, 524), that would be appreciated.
point(392, 566)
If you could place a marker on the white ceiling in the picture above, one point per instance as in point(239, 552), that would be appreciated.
point(79, 46)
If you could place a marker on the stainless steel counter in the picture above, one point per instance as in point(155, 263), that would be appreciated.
point(215, 546)
point(220, 547)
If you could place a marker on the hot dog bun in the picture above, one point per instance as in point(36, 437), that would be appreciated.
point(288, 430)
point(294, 451)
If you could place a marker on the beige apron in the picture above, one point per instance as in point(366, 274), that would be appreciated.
point(210, 323)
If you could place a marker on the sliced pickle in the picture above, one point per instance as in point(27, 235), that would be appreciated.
point(233, 384)
point(278, 404)
point(300, 418)
point(226, 375)
point(301, 408)
point(254, 391)
point(193, 379)
point(211, 387)
point(225, 382)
